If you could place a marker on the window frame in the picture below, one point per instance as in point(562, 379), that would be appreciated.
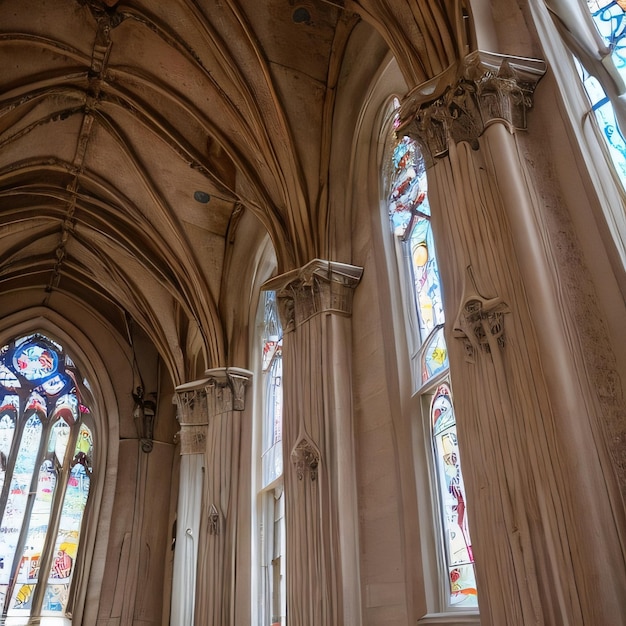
point(268, 486)
point(435, 566)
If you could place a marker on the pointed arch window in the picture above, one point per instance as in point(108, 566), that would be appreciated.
point(608, 17)
point(587, 39)
point(410, 218)
point(47, 453)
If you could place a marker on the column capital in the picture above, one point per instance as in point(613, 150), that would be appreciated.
point(483, 88)
point(193, 416)
point(226, 389)
point(317, 287)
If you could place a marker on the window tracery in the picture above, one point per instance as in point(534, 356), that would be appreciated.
point(47, 453)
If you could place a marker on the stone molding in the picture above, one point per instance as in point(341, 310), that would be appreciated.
point(483, 88)
point(317, 287)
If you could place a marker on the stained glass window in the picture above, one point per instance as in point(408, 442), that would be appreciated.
point(609, 18)
point(47, 451)
point(457, 542)
point(410, 215)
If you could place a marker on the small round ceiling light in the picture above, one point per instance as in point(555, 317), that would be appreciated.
point(201, 196)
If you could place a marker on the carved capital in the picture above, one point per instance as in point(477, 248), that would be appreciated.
point(318, 287)
point(482, 89)
point(226, 389)
point(193, 416)
point(480, 321)
point(306, 458)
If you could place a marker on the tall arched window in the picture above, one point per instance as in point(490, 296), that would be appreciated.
point(47, 455)
point(608, 17)
point(410, 219)
point(587, 37)
point(272, 607)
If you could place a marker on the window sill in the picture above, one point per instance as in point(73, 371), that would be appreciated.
point(48, 620)
point(464, 618)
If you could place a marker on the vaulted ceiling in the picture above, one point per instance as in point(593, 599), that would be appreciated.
point(133, 135)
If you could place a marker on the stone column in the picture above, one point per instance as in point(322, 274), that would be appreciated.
point(193, 419)
point(321, 520)
point(534, 435)
point(215, 590)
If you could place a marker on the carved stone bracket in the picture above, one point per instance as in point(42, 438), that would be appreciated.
point(306, 458)
point(480, 90)
point(318, 287)
point(193, 416)
point(480, 321)
point(214, 520)
point(226, 389)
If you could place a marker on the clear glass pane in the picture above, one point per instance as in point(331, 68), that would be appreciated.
point(66, 544)
point(20, 483)
point(272, 458)
point(28, 572)
point(8, 419)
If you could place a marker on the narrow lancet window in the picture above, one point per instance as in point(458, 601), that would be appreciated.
point(410, 215)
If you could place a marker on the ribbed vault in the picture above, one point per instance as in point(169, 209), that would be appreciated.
point(132, 132)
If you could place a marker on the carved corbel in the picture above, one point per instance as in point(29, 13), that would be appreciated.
point(214, 520)
point(306, 458)
point(479, 323)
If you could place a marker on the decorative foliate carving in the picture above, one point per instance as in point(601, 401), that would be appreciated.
point(306, 458)
point(213, 519)
point(318, 287)
point(480, 321)
point(226, 389)
point(193, 416)
point(482, 89)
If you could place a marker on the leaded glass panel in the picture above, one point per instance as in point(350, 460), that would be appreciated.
point(47, 454)
point(610, 20)
point(457, 542)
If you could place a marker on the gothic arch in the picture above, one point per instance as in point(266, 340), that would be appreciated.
point(106, 417)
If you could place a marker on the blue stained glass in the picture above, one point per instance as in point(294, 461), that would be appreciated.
point(408, 185)
point(610, 20)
